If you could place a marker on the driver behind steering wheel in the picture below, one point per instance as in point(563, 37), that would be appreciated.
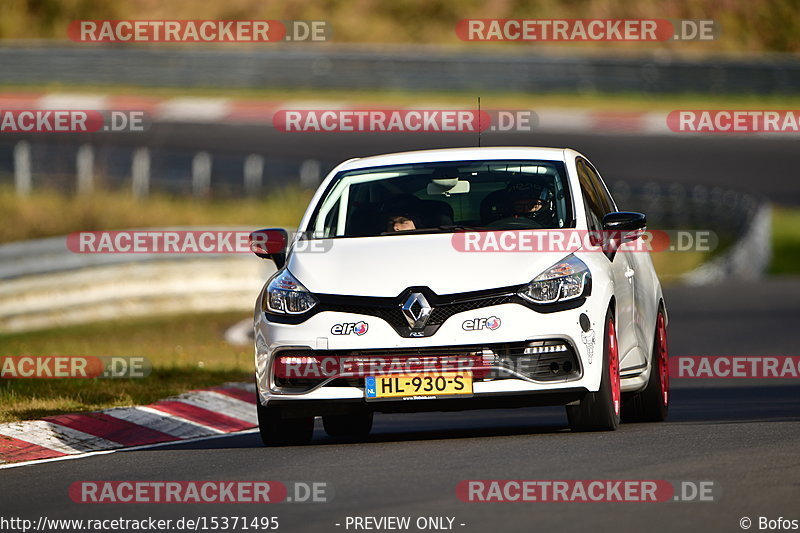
point(530, 201)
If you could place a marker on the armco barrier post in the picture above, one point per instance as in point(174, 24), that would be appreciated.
point(22, 168)
point(201, 174)
point(310, 171)
point(140, 173)
point(84, 164)
point(253, 174)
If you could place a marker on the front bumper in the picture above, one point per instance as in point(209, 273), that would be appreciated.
point(517, 324)
point(485, 400)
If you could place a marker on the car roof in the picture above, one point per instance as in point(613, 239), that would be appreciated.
point(456, 154)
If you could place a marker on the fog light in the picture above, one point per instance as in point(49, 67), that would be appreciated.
point(534, 349)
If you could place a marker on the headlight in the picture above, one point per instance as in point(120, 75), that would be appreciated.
point(285, 295)
point(566, 280)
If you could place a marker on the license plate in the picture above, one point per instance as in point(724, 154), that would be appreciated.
point(421, 386)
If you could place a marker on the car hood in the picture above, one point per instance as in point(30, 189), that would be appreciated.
point(387, 265)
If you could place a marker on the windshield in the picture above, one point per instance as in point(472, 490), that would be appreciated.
point(444, 197)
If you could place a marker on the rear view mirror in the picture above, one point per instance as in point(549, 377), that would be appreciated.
point(447, 186)
point(270, 243)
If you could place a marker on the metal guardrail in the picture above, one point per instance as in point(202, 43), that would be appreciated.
point(410, 68)
point(34, 165)
point(44, 285)
point(727, 212)
point(741, 221)
point(748, 258)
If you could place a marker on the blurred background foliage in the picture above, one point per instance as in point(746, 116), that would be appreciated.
point(748, 26)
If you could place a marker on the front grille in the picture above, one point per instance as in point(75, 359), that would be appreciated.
point(444, 307)
point(489, 361)
point(443, 312)
point(440, 313)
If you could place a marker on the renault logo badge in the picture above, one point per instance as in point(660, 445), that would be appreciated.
point(417, 310)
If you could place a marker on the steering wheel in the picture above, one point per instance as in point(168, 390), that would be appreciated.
point(515, 223)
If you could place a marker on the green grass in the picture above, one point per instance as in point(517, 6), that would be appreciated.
point(785, 241)
point(670, 266)
point(49, 213)
point(186, 352)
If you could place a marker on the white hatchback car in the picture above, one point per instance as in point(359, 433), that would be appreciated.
point(458, 279)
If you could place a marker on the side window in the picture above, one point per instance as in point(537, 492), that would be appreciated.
point(594, 207)
point(329, 230)
point(602, 192)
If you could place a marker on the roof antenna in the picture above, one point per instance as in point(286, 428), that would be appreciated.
point(479, 122)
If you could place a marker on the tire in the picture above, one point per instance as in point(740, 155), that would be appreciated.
point(352, 425)
point(600, 411)
point(652, 404)
point(278, 431)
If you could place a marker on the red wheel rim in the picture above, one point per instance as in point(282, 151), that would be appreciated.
point(663, 357)
point(613, 365)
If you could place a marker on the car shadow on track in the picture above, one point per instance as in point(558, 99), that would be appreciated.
point(422, 427)
point(692, 403)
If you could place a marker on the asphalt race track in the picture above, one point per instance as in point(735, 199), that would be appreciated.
point(741, 434)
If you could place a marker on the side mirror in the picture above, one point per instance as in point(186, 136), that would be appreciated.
point(270, 243)
point(625, 226)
